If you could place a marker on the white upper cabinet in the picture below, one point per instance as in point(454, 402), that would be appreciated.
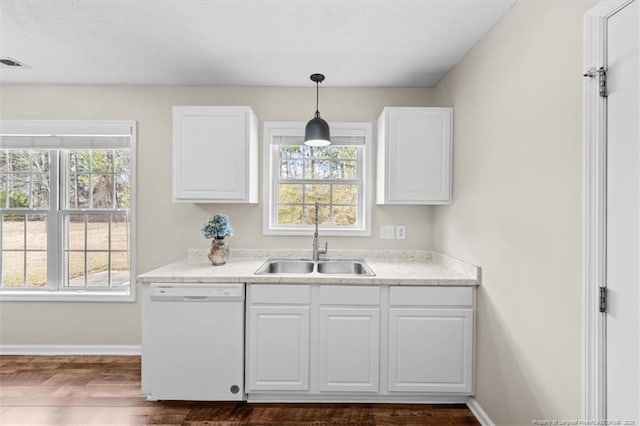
point(415, 155)
point(215, 154)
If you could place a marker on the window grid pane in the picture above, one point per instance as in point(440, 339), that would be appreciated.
point(327, 175)
point(24, 179)
point(24, 255)
point(96, 225)
point(98, 179)
point(24, 199)
point(97, 250)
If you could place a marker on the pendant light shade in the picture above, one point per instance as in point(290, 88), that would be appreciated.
point(317, 131)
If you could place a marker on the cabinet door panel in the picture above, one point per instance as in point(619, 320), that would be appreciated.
point(414, 155)
point(419, 154)
point(213, 154)
point(278, 345)
point(430, 350)
point(349, 349)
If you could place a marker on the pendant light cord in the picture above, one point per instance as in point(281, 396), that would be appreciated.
point(317, 115)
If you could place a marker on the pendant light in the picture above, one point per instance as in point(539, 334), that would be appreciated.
point(317, 131)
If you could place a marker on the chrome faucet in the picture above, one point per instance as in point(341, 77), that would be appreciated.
point(317, 251)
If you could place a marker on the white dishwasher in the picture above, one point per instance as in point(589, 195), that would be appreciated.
point(197, 342)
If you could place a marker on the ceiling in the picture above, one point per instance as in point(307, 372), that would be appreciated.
point(240, 43)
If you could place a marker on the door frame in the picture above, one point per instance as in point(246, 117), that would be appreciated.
point(594, 209)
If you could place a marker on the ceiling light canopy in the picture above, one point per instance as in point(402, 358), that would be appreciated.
point(317, 131)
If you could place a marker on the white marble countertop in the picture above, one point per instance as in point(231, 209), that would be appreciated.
point(391, 267)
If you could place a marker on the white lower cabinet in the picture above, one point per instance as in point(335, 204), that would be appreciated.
point(277, 357)
point(430, 350)
point(360, 342)
point(279, 348)
point(348, 355)
point(431, 339)
point(349, 349)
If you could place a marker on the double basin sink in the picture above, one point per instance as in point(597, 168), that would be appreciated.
point(307, 266)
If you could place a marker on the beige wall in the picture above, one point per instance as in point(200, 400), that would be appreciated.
point(166, 230)
point(517, 207)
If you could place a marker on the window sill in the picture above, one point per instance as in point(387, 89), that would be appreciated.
point(66, 296)
point(326, 232)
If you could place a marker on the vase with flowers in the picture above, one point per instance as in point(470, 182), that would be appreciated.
point(218, 229)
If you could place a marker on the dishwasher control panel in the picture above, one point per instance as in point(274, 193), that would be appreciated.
point(222, 291)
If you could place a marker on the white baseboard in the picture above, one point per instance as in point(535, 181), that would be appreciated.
point(480, 414)
point(357, 398)
point(70, 350)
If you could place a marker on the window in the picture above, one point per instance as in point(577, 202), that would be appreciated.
point(66, 210)
point(337, 177)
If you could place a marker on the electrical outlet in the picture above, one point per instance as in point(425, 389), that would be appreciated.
point(401, 232)
point(387, 232)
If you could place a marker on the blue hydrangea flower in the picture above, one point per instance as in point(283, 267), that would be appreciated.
point(217, 227)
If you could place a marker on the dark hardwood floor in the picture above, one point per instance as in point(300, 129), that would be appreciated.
point(90, 390)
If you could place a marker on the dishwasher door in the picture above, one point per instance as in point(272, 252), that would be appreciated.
point(197, 342)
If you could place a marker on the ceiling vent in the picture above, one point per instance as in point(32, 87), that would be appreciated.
point(8, 62)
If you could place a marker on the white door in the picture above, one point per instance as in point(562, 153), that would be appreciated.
point(430, 350)
point(623, 216)
point(278, 348)
point(349, 349)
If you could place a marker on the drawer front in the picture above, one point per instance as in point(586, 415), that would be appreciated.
point(349, 295)
point(279, 293)
point(431, 296)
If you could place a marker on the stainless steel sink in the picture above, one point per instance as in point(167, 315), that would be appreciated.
point(344, 267)
point(307, 266)
point(291, 266)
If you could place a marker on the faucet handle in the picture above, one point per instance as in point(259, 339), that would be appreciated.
point(326, 248)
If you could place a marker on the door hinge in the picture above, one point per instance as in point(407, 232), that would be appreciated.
point(603, 299)
point(602, 79)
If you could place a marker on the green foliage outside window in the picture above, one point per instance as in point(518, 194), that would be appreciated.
point(327, 175)
point(95, 179)
point(92, 177)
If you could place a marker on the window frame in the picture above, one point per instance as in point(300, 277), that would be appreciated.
point(51, 131)
point(271, 161)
